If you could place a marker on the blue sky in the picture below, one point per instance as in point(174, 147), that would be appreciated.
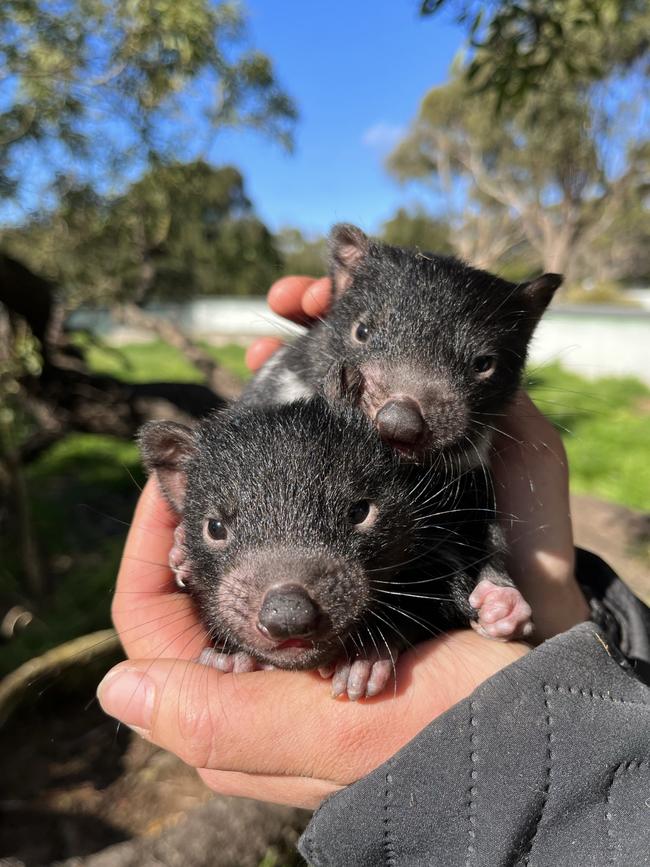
point(357, 71)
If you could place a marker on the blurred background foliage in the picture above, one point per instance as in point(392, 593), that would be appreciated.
point(516, 46)
point(182, 230)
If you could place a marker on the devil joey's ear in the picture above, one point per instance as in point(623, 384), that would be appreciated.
point(166, 449)
point(539, 291)
point(348, 247)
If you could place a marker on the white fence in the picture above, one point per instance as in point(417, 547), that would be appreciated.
point(593, 341)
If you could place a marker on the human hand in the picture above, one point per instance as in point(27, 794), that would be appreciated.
point(300, 299)
point(530, 472)
point(278, 735)
point(272, 735)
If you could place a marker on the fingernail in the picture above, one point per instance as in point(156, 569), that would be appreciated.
point(129, 695)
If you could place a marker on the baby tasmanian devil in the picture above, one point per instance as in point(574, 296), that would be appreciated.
point(307, 544)
point(430, 349)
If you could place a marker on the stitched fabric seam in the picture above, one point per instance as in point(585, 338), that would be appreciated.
point(623, 768)
point(549, 765)
point(471, 792)
point(590, 693)
point(310, 846)
point(389, 851)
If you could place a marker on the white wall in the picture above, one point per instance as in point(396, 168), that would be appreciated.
point(595, 344)
point(592, 341)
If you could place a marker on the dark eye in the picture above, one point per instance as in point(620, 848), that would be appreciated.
point(361, 332)
point(484, 364)
point(358, 513)
point(216, 529)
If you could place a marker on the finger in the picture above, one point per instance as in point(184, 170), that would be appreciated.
point(266, 723)
point(285, 297)
point(152, 618)
point(524, 422)
point(529, 455)
point(530, 471)
point(291, 791)
point(285, 723)
point(317, 298)
point(259, 352)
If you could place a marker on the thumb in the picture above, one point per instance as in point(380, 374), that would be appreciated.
point(266, 722)
point(285, 723)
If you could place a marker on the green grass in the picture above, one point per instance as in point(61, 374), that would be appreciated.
point(83, 490)
point(143, 362)
point(605, 424)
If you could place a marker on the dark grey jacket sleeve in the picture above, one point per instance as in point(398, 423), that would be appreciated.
point(546, 764)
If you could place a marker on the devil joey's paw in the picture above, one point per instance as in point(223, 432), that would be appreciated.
point(230, 663)
point(178, 561)
point(503, 613)
point(359, 678)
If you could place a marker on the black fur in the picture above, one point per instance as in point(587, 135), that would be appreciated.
point(429, 318)
point(282, 481)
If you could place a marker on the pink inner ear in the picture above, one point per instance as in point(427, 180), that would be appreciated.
point(349, 254)
point(166, 448)
point(350, 246)
point(342, 280)
point(173, 483)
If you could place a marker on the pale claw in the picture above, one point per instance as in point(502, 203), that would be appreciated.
point(235, 663)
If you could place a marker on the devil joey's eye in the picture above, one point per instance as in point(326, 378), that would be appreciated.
point(215, 530)
point(361, 332)
point(362, 514)
point(484, 365)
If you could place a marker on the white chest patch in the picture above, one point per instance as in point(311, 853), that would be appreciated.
point(270, 366)
point(291, 387)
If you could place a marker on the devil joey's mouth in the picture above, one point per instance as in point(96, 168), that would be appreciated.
point(297, 653)
point(410, 452)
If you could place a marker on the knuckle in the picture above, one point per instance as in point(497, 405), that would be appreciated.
point(196, 740)
point(190, 724)
point(196, 737)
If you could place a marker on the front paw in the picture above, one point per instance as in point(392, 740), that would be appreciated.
point(178, 561)
point(230, 663)
point(360, 678)
point(503, 613)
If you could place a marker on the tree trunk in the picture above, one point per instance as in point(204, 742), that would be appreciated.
point(559, 249)
point(66, 397)
point(27, 295)
point(32, 567)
